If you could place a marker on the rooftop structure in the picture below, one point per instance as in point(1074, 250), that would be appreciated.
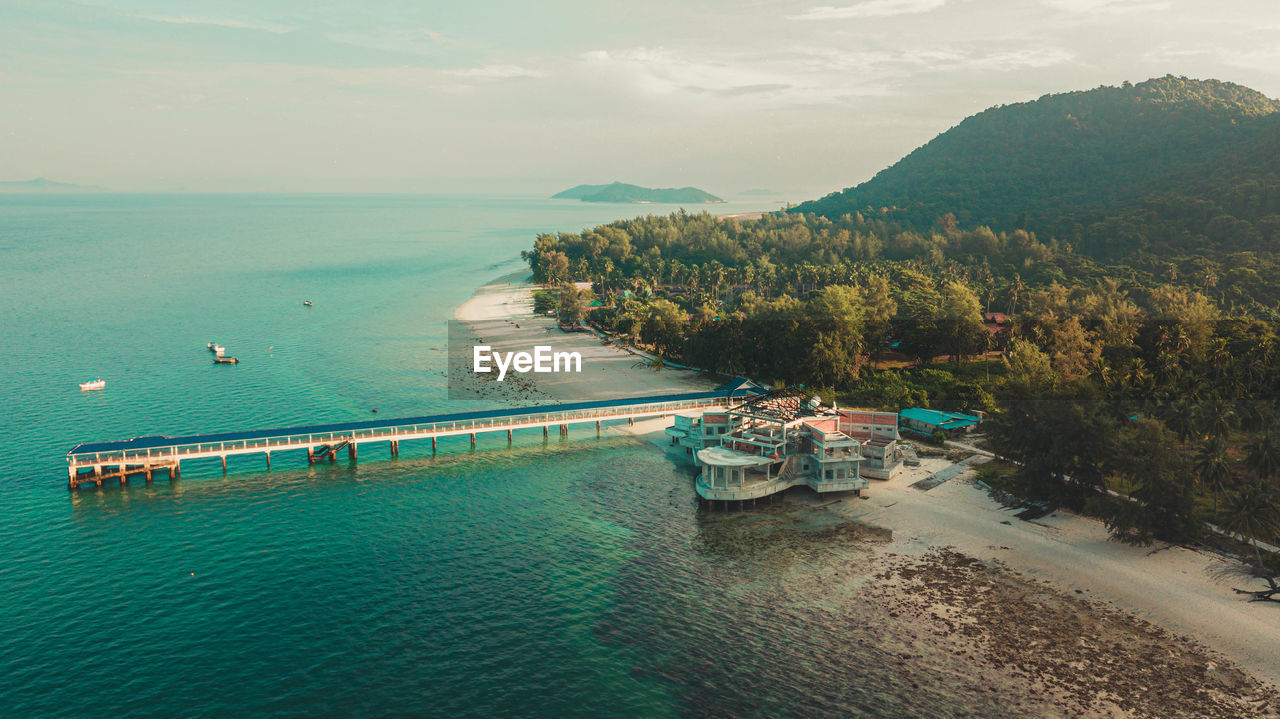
point(928, 421)
point(878, 434)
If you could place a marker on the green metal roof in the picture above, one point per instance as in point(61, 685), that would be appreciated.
point(939, 419)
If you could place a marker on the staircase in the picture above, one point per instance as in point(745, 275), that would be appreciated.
point(327, 450)
point(790, 468)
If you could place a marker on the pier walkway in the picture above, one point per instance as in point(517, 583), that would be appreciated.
point(93, 462)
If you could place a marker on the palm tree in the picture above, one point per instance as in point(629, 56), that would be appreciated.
point(1220, 356)
point(1017, 287)
point(1263, 457)
point(1182, 423)
point(1106, 376)
point(1212, 469)
point(1253, 513)
point(1214, 418)
point(1134, 372)
point(715, 277)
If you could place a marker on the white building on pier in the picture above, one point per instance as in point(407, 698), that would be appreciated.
point(783, 440)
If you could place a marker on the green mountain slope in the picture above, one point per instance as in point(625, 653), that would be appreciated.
point(622, 192)
point(1170, 164)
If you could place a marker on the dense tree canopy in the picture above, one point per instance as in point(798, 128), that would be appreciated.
point(1125, 239)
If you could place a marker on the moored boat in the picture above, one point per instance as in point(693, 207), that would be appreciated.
point(95, 383)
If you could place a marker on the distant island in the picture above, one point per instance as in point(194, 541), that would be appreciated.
point(42, 185)
point(622, 192)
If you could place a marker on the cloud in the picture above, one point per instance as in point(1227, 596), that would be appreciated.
point(495, 71)
point(1265, 59)
point(738, 90)
point(1006, 60)
point(944, 58)
point(222, 22)
point(660, 71)
point(1108, 7)
point(870, 8)
point(805, 75)
point(411, 40)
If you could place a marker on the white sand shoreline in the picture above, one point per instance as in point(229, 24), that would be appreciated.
point(1176, 588)
point(1181, 589)
point(501, 314)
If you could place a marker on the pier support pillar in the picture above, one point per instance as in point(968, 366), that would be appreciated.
point(597, 428)
point(395, 447)
point(149, 476)
point(176, 471)
point(311, 456)
point(508, 436)
point(433, 445)
point(351, 451)
point(631, 421)
point(268, 461)
point(545, 431)
point(224, 464)
point(473, 440)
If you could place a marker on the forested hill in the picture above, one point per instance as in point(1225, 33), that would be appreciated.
point(1167, 165)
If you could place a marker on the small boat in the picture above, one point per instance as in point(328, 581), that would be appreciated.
point(307, 302)
point(211, 346)
point(95, 383)
point(222, 359)
point(218, 350)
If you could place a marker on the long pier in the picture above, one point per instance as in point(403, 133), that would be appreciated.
point(95, 462)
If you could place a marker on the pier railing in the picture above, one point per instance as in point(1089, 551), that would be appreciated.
point(167, 452)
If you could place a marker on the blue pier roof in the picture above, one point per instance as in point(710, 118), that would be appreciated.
point(736, 388)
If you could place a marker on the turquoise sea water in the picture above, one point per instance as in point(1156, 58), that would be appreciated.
point(569, 578)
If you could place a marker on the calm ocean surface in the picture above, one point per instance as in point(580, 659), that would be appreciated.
point(568, 579)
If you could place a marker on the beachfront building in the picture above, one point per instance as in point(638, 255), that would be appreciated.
point(877, 435)
point(929, 421)
point(769, 444)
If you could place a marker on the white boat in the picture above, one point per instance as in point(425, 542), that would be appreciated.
point(219, 350)
point(95, 383)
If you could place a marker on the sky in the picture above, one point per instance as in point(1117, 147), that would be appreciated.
point(799, 97)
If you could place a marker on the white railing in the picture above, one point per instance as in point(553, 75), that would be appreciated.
point(394, 432)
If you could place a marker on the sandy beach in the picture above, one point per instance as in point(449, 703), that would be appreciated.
point(1184, 590)
point(1050, 612)
point(500, 314)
